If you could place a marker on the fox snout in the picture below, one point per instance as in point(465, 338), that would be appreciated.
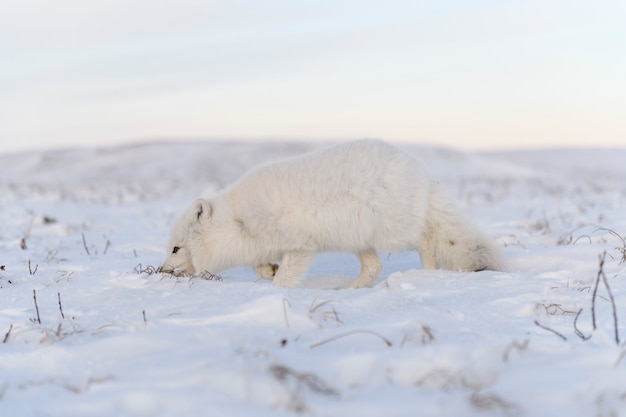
point(177, 272)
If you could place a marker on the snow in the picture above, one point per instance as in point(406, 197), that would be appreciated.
point(83, 230)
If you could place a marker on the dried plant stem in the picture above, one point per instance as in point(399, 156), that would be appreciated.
point(85, 245)
point(602, 276)
point(594, 295)
point(106, 245)
point(576, 330)
point(148, 270)
point(60, 306)
point(311, 381)
point(7, 335)
point(618, 236)
point(350, 333)
point(550, 330)
point(36, 306)
point(30, 270)
point(515, 345)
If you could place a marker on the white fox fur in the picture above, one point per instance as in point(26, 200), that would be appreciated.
point(361, 197)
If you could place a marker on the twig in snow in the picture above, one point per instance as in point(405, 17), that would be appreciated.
point(85, 245)
point(325, 315)
point(30, 270)
point(36, 306)
point(550, 330)
point(602, 275)
point(209, 276)
point(554, 309)
point(618, 236)
point(148, 270)
point(568, 238)
point(48, 220)
point(350, 333)
point(515, 345)
point(145, 320)
point(576, 330)
point(614, 307)
point(427, 335)
point(60, 306)
point(106, 245)
point(311, 381)
point(493, 402)
point(594, 294)
point(295, 382)
point(7, 335)
point(580, 237)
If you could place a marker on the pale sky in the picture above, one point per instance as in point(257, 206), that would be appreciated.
point(465, 74)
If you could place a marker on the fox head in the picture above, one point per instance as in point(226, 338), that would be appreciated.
point(186, 239)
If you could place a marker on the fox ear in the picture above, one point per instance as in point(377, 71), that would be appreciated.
point(202, 210)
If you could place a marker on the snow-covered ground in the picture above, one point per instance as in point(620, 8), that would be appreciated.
point(82, 230)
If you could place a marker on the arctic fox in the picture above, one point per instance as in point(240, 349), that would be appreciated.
point(360, 197)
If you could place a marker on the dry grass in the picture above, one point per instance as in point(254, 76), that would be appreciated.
point(602, 277)
point(297, 383)
point(147, 270)
point(621, 249)
point(425, 336)
point(209, 276)
point(568, 238)
point(514, 346)
point(494, 403)
point(323, 312)
point(350, 333)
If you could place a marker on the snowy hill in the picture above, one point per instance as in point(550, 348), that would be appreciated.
point(89, 328)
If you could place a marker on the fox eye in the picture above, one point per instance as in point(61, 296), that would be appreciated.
point(176, 249)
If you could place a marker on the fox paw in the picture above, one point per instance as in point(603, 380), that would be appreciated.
point(266, 271)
